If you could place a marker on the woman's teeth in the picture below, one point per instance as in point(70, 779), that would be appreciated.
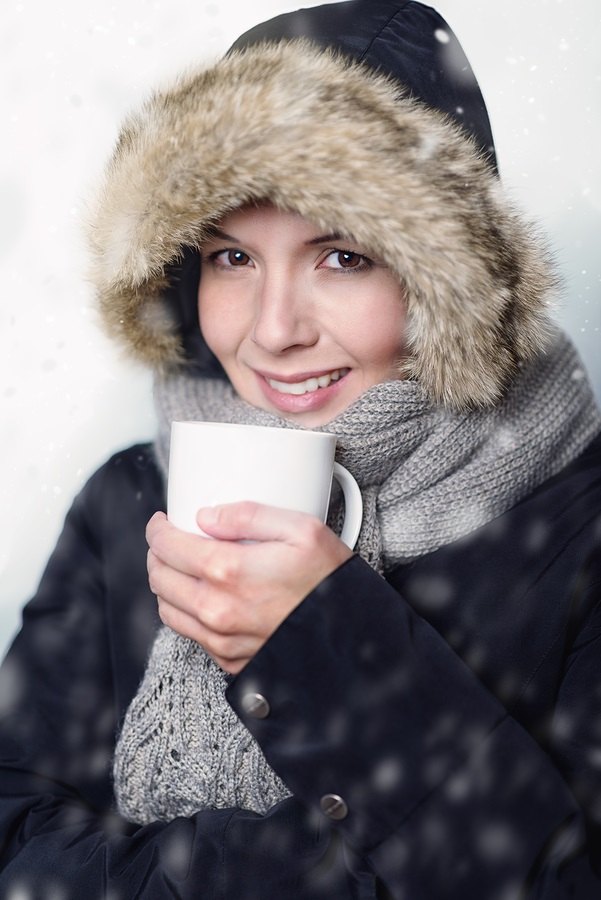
point(311, 384)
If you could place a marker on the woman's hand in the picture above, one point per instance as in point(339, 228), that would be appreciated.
point(230, 596)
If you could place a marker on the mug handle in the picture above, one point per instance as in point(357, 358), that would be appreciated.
point(353, 505)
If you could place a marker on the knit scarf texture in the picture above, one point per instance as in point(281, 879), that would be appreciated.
point(428, 476)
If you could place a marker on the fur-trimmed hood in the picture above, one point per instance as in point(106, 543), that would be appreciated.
point(311, 130)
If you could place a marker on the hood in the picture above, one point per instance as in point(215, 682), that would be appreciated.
point(335, 136)
point(407, 40)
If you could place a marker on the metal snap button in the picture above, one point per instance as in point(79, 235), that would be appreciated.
point(256, 706)
point(333, 807)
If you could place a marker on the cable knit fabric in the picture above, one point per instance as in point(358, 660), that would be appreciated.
point(428, 477)
point(182, 747)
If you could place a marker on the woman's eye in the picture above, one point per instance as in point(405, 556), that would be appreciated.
point(345, 259)
point(229, 258)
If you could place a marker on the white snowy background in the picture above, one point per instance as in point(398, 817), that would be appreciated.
point(71, 69)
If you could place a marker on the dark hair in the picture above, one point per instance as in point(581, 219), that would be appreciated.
point(182, 299)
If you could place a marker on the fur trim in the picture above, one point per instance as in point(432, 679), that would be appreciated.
point(314, 132)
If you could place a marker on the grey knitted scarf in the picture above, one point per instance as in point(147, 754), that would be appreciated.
point(428, 476)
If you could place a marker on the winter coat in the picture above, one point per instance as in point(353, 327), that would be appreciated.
point(455, 710)
point(438, 729)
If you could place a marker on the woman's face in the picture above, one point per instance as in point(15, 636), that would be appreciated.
point(303, 323)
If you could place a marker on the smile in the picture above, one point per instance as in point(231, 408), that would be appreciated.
point(309, 385)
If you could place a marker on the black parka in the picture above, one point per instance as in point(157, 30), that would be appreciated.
point(469, 752)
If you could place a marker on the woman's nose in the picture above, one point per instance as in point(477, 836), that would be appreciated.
point(284, 316)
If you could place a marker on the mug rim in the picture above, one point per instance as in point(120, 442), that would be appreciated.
point(283, 430)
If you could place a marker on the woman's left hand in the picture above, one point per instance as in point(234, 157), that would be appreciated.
point(230, 596)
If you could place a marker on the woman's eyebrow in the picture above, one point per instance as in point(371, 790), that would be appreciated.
point(217, 234)
point(326, 238)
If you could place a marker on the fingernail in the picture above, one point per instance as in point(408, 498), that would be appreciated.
point(207, 516)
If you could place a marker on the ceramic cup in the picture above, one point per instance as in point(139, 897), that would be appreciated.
point(212, 463)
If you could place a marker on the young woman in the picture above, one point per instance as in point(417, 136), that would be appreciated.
point(312, 234)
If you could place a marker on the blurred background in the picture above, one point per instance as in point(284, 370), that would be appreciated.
point(71, 70)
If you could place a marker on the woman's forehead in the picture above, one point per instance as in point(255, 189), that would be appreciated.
point(268, 216)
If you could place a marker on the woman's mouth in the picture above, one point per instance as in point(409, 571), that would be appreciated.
point(308, 385)
point(302, 393)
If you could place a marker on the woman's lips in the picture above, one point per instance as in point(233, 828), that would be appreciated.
point(299, 393)
point(306, 385)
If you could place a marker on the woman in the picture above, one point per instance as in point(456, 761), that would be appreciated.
point(420, 719)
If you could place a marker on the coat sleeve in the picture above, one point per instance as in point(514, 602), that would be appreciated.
point(59, 833)
point(368, 715)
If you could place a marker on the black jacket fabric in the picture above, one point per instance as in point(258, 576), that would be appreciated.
point(456, 709)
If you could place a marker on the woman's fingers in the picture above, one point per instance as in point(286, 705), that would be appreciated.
point(230, 591)
point(190, 553)
point(248, 521)
point(178, 588)
point(281, 545)
point(206, 601)
point(258, 551)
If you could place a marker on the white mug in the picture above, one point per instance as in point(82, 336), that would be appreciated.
point(212, 463)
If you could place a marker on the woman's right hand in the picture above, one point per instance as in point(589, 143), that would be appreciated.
point(231, 596)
